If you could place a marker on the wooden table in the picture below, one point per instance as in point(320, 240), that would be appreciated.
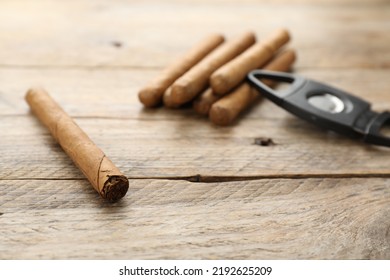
point(197, 191)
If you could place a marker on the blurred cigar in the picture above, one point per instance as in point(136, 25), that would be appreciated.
point(104, 176)
point(196, 79)
point(225, 110)
point(232, 73)
point(152, 94)
point(168, 100)
point(203, 102)
point(281, 62)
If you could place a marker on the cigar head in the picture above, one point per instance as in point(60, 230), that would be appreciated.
point(220, 115)
point(277, 39)
point(219, 83)
point(151, 96)
point(115, 187)
point(168, 100)
point(182, 91)
point(201, 108)
point(33, 91)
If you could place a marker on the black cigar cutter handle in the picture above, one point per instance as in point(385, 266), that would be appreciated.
point(324, 106)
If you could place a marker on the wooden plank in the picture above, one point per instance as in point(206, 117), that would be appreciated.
point(152, 33)
point(170, 148)
point(303, 203)
point(165, 143)
point(113, 93)
point(159, 219)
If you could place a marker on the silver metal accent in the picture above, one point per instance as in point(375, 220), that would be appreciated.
point(327, 102)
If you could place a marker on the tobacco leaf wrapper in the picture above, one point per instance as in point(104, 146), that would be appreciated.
point(152, 94)
point(104, 176)
point(226, 109)
point(230, 75)
point(195, 80)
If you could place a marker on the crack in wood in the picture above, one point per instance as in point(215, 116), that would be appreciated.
point(216, 179)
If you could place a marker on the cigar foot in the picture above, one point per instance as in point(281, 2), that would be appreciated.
point(115, 188)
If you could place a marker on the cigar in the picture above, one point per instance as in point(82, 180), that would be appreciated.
point(196, 79)
point(104, 176)
point(232, 73)
point(281, 62)
point(203, 102)
point(168, 100)
point(225, 110)
point(151, 95)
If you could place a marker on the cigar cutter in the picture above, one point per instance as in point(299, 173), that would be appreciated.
point(325, 106)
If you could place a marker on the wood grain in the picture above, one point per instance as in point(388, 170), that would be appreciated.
point(152, 33)
point(272, 219)
point(140, 149)
point(313, 195)
point(112, 93)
